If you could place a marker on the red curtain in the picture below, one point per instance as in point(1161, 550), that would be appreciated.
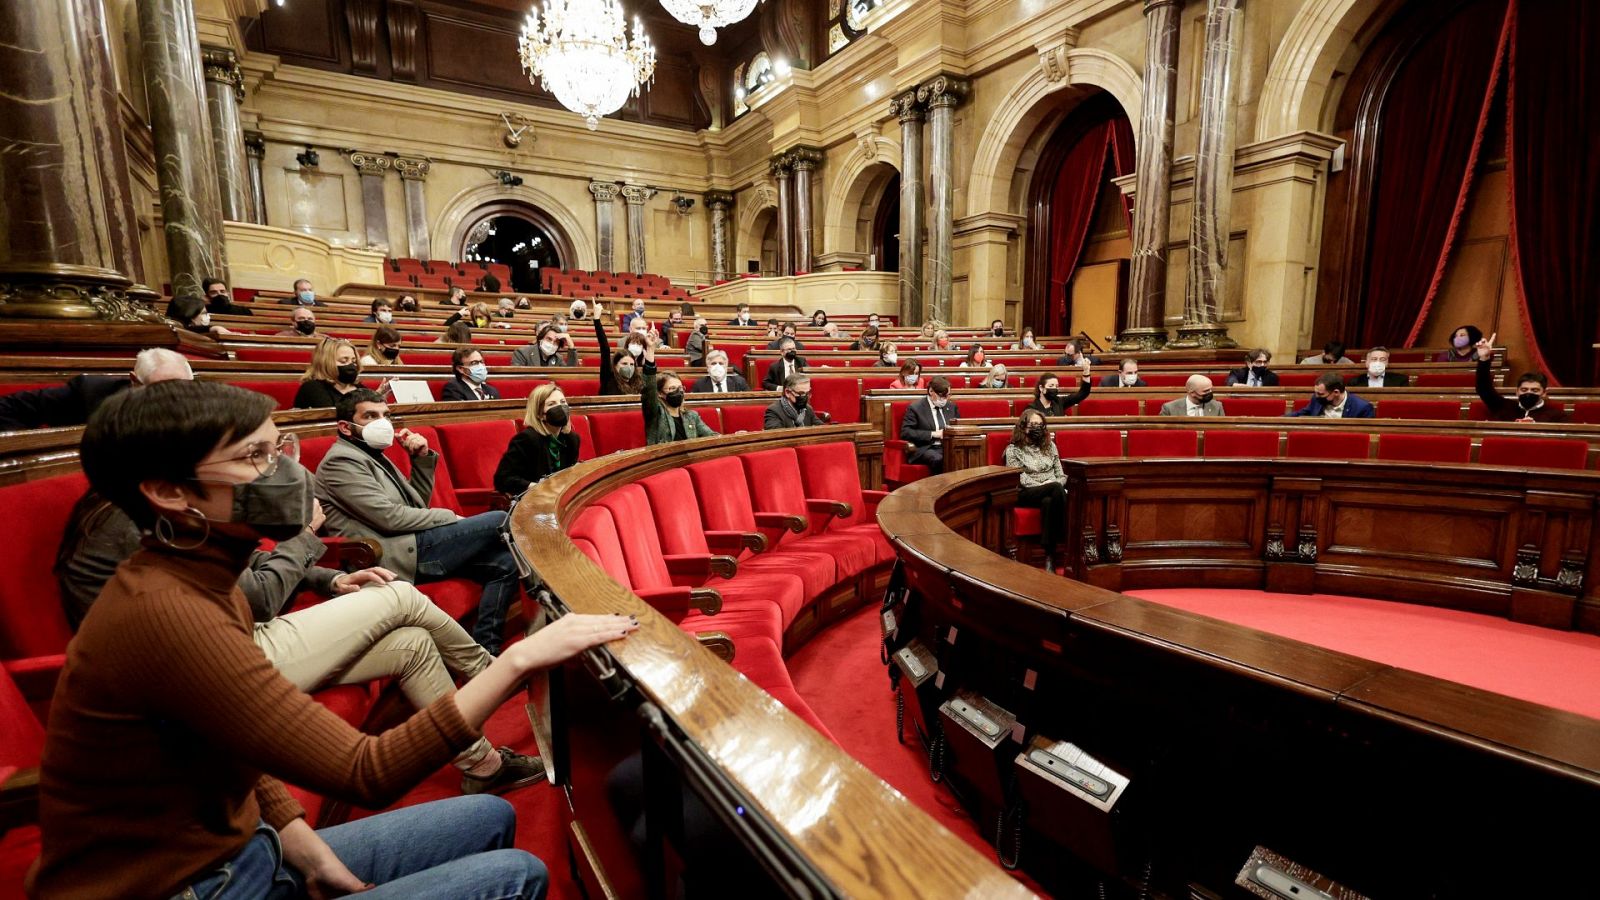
point(1553, 156)
point(1072, 202)
point(1429, 132)
point(1122, 157)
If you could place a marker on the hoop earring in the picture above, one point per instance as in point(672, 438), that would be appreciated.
point(167, 536)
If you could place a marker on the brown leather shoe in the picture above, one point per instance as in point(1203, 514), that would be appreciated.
point(515, 771)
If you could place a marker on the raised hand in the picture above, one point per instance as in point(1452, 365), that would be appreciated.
point(1485, 346)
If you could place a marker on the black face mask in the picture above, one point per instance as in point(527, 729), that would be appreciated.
point(673, 399)
point(789, 355)
point(276, 506)
point(802, 401)
point(703, 329)
point(999, 331)
point(305, 326)
point(1036, 430)
point(390, 352)
point(1207, 397)
point(1051, 394)
point(557, 416)
point(348, 373)
point(1529, 401)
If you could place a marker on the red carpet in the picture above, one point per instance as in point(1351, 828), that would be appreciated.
point(1540, 665)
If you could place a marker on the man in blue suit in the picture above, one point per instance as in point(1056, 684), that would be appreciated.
point(1331, 401)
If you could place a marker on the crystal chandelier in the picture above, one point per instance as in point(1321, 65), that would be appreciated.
point(582, 55)
point(709, 14)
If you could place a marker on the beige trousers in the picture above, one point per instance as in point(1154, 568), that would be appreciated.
point(385, 631)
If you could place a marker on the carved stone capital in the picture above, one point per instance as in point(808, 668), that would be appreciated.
point(804, 159)
point(1153, 5)
point(945, 91)
point(255, 144)
point(412, 169)
point(222, 66)
point(604, 191)
point(716, 199)
point(370, 163)
point(780, 167)
point(637, 194)
point(867, 140)
point(906, 107)
point(1053, 54)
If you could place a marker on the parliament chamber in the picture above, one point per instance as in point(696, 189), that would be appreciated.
point(873, 448)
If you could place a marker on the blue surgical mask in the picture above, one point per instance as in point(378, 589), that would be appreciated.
point(478, 372)
point(306, 297)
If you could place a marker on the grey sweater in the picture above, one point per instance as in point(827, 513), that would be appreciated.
point(1040, 466)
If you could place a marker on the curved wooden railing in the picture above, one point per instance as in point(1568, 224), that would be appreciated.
point(1387, 781)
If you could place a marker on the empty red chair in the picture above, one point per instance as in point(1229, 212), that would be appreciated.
point(1152, 405)
point(1253, 407)
point(1108, 406)
point(743, 417)
point(1297, 379)
point(1477, 411)
point(1020, 404)
point(1156, 379)
point(776, 486)
point(829, 473)
point(33, 626)
point(472, 450)
point(579, 387)
point(281, 392)
point(615, 431)
point(1435, 448)
point(1542, 453)
point(994, 447)
point(1085, 443)
point(985, 408)
point(1445, 379)
point(1162, 442)
point(1223, 443)
point(726, 505)
point(596, 526)
point(712, 416)
point(839, 397)
point(1417, 409)
point(1585, 413)
point(1321, 443)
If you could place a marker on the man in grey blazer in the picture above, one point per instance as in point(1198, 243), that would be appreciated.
point(364, 495)
point(1196, 401)
point(793, 409)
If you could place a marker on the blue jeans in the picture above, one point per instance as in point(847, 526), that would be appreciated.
point(471, 548)
point(459, 848)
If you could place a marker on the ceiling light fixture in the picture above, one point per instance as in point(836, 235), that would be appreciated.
point(581, 54)
point(709, 15)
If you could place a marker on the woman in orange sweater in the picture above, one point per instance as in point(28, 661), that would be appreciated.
point(169, 730)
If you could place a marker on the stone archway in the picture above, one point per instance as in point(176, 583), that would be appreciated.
point(1324, 36)
point(757, 209)
point(859, 183)
point(473, 205)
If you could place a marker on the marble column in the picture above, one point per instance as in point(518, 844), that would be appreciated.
point(1152, 210)
point(941, 95)
point(191, 212)
point(605, 195)
point(374, 208)
point(783, 174)
point(718, 203)
point(224, 93)
point(69, 243)
point(804, 161)
point(413, 175)
point(913, 201)
point(636, 195)
point(1212, 208)
point(255, 153)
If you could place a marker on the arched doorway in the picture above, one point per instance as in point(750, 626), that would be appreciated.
point(766, 256)
point(518, 235)
point(885, 242)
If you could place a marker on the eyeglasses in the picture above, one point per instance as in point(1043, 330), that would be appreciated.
point(265, 455)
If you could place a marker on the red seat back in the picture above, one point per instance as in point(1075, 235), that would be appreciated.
point(1327, 444)
point(579, 387)
point(444, 487)
point(994, 447)
point(281, 392)
point(1152, 406)
point(1161, 442)
point(1543, 453)
point(897, 415)
point(712, 416)
point(837, 396)
point(18, 387)
point(1438, 448)
point(1418, 409)
point(595, 528)
point(723, 495)
point(829, 472)
point(1445, 379)
point(774, 480)
point(743, 417)
point(1076, 443)
point(1108, 406)
point(32, 622)
point(472, 450)
point(1585, 413)
point(678, 523)
point(985, 408)
point(615, 431)
point(1297, 379)
point(1262, 407)
point(580, 427)
point(1223, 443)
point(1161, 380)
point(517, 388)
point(640, 547)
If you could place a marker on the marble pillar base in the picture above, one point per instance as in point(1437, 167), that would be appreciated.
point(55, 291)
point(1202, 336)
point(1135, 340)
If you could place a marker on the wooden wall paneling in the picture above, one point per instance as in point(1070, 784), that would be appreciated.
point(307, 33)
point(361, 19)
point(404, 23)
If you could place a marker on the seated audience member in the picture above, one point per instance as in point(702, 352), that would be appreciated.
point(742, 316)
point(1378, 374)
point(888, 355)
point(819, 319)
point(637, 312)
point(1532, 387)
point(786, 332)
point(1332, 355)
point(1047, 397)
point(1197, 400)
point(671, 327)
point(333, 372)
point(303, 294)
point(456, 333)
point(577, 310)
point(551, 347)
point(489, 284)
point(976, 358)
point(1127, 375)
point(381, 312)
point(872, 320)
point(545, 445)
point(406, 303)
point(1463, 345)
point(998, 377)
point(997, 328)
point(779, 371)
point(1026, 342)
point(774, 330)
point(868, 339)
point(619, 372)
point(941, 339)
point(831, 332)
point(1043, 483)
point(219, 300)
point(1329, 400)
point(1254, 373)
point(910, 375)
point(507, 308)
point(169, 728)
point(718, 380)
point(666, 419)
point(365, 496)
point(384, 349)
point(472, 377)
point(523, 302)
point(793, 409)
point(375, 627)
point(477, 315)
point(1073, 355)
point(694, 349)
point(74, 402)
point(923, 426)
point(190, 311)
point(456, 297)
point(303, 323)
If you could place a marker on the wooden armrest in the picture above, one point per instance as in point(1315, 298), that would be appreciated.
point(838, 508)
point(675, 602)
point(873, 498)
point(694, 564)
point(707, 600)
point(350, 554)
point(734, 541)
point(780, 521)
point(718, 643)
point(19, 798)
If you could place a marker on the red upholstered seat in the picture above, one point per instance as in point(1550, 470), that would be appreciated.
point(1417, 409)
point(517, 388)
point(1163, 443)
point(580, 427)
point(1225, 444)
point(1445, 379)
point(1077, 443)
point(838, 396)
point(1297, 379)
point(896, 471)
point(1020, 404)
point(776, 487)
point(829, 472)
point(726, 505)
point(17, 387)
point(615, 431)
point(984, 408)
point(21, 743)
point(1262, 407)
point(1544, 453)
point(1327, 444)
point(1441, 448)
point(1156, 379)
point(32, 622)
point(472, 451)
point(761, 661)
point(1585, 413)
point(281, 392)
point(994, 447)
point(738, 417)
point(1108, 406)
point(1152, 405)
point(1477, 411)
point(579, 387)
point(712, 416)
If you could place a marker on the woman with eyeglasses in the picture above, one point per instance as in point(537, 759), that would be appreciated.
point(170, 731)
point(545, 445)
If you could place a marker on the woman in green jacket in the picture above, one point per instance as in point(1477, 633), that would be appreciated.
point(665, 417)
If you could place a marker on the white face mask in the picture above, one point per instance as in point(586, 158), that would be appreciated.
point(718, 371)
point(1130, 378)
point(636, 349)
point(891, 358)
point(1028, 341)
point(548, 348)
point(203, 320)
point(378, 434)
point(1376, 369)
point(385, 316)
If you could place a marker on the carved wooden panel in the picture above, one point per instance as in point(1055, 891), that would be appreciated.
point(404, 34)
point(307, 32)
point(1168, 521)
point(472, 53)
point(361, 18)
point(1416, 531)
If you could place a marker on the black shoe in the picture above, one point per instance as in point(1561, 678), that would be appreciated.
point(515, 771)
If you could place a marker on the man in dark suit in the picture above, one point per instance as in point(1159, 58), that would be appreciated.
point(1331, 401)
point(1378, 374)
point(219, 300)
point(718, 380)
point(1255, 372)
point(303, 294)
point(778, 373)
point(786, 333)
point(1529, 405)
point(472, 377)
point(74, 402)
point(489, 283)
point(793, 409)
point(1127, 375)
point(1073, 355)
point(923, 427)
point(742, 317)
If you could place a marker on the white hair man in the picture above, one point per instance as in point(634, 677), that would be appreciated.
point(72, 403)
